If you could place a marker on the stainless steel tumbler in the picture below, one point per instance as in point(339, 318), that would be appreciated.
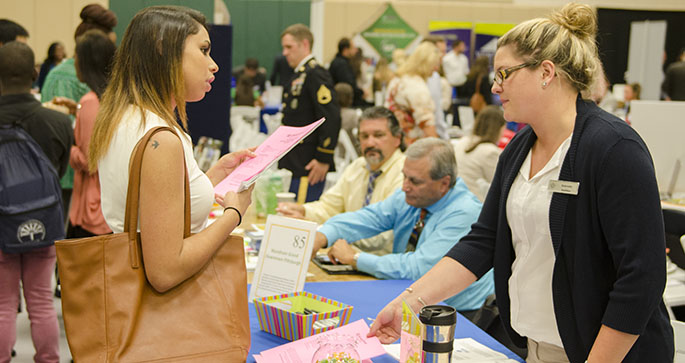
point(438, 332)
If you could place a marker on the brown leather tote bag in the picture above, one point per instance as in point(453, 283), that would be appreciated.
point(112, 314)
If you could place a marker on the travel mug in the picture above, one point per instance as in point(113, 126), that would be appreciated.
point(437, 333)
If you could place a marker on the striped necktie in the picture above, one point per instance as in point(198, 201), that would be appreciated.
point(372, 183)
point(416, 232)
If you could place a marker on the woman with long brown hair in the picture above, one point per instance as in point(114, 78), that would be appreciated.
point(477, 154)
point(162, 63)
point(477, 80)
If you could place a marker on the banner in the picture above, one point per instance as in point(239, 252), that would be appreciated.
point(389, 32)
point(487, 35)
point(451, 31)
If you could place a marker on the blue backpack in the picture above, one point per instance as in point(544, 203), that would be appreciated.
point(30, 194)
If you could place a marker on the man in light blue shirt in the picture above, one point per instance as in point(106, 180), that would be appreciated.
point(430, 184)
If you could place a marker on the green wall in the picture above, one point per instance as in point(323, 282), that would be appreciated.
point(257, 27)
point(126, 9)
point(257, 24)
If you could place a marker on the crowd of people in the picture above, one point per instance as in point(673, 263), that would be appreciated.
point(465, 219)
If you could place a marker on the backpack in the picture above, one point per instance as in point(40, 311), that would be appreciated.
point(31, 213)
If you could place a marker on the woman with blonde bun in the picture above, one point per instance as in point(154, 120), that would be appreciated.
point(572, 222)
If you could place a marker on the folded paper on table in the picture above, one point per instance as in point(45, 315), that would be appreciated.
point(302, 351)
point(464, 350)
point(268, 152)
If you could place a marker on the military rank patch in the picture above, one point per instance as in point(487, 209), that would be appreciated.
point(324, 95)
point(327, 142)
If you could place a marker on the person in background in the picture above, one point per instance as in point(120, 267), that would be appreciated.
point(147, 90)
point(282, 72)
point(348, 115)
point(631, 92)
point(427, 216)
point(245, 93)
point(62, 81)
point(93, 58)
point(309, 97)
point(674, 81)
point(477, 77)
point(455, 64)
point(602, 95)
point(51, 130)
point(371, 178)
point(11, 31)
point(441, 99)
point(62, 86)
point(56, 55)
point(341, 70)
point(382, 75)
point(408, 95)
point(252, 71)
point(477, 154)
point(399, 56)
point(572, 223)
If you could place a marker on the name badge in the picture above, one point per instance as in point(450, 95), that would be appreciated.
point(563, 187)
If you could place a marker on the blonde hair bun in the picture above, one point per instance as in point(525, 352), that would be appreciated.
point(579, 19)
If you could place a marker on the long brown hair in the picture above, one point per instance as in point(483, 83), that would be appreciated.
point(481, 66)
point(147, 73)
point(487, 126)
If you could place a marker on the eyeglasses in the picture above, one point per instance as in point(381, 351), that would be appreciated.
point(503, 74)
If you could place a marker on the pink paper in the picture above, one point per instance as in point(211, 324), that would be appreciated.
point(270, 151)
point(302, 351)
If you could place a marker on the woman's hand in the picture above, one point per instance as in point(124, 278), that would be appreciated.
point(388, 324)
point(69, 103)
point(228, 163)
point(240, 200)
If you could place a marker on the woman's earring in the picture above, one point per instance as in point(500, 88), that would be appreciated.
point(544, 84)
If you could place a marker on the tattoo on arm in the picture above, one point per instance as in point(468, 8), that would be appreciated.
point(155, 144)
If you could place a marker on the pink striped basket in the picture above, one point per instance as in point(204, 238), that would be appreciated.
point(300, 314)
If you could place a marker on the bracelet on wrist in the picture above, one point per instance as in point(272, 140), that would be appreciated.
point(240, 216)
point(411, 291)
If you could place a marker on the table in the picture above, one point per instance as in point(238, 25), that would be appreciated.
point(367, 298)
point(316, 274)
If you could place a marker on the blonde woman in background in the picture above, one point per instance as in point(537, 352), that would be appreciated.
point(408, 96)
point(477, 154)
point(572, 223)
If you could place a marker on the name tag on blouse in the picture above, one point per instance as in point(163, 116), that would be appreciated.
point(563, 187)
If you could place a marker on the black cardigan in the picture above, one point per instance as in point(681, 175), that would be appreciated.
point(608, 240)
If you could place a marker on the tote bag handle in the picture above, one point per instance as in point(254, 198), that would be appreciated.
point(133, 195)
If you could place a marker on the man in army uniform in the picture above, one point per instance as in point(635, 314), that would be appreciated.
point(308, 96)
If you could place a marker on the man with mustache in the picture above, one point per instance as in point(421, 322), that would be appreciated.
point(371, 178)
point(428, 216)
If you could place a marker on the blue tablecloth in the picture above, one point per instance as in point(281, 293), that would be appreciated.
point(266, 110)
point(367, 298)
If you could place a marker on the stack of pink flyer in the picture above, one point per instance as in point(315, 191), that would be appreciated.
point(303, 350)
point(270, 151)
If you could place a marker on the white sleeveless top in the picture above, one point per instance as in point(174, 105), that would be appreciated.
point(113, 170)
